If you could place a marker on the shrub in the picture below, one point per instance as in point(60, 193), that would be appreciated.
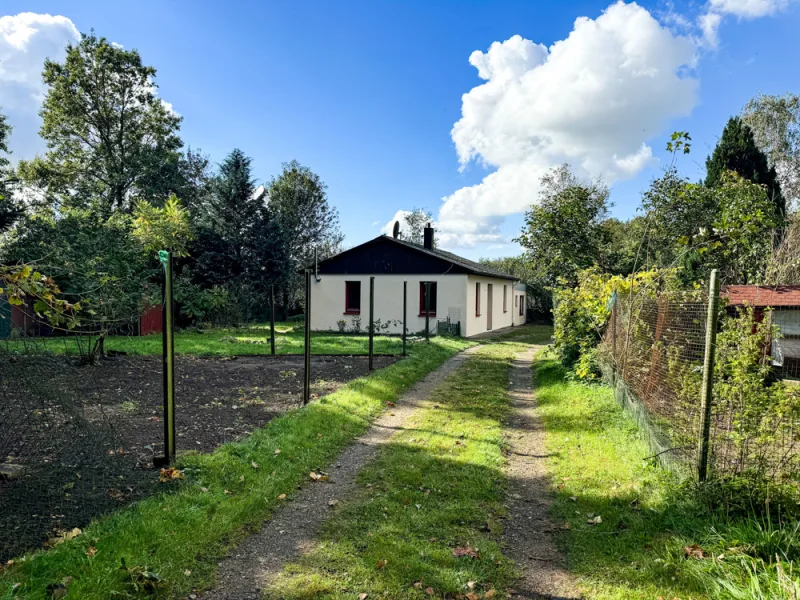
point(581, 313)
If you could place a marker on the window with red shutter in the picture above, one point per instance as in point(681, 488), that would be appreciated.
point(352, 297)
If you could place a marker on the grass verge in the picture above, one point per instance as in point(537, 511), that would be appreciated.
point(169, 544)
point(434, 491)
point(656, 538)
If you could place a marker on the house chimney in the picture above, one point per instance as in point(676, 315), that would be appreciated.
point(427, 239)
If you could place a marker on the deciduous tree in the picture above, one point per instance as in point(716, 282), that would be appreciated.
point(110, 138)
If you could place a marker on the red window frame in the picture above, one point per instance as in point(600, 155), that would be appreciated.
point(478, 299)
point(434, 297)
point(348, 295)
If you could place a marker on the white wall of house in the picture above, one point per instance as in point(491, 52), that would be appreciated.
point(519, 300)
point(328, 301)
point(500, 316)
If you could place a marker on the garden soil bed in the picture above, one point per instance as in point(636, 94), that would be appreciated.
point(89, 444)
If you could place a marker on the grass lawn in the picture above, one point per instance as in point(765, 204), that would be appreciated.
point(435, 490)
point(169, 544)
point(234, 342)
point(638, 551)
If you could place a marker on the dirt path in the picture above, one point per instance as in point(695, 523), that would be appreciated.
point(293, 527)
point(528, 532)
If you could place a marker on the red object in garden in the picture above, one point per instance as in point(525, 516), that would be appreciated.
point(760, 297)
point(150, 320)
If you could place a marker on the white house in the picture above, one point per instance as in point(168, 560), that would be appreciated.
point(476, 296)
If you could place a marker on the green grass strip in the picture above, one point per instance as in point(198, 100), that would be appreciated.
point(648, 518)
point(225, 342)
point(170, 543)
point(436, 486)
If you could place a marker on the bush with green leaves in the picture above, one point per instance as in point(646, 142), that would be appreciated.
point(582, 311)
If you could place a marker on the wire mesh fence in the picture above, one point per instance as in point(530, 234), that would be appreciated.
point(81, 439)
point(654, 350)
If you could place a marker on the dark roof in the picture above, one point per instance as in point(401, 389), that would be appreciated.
point(462, 265)
point(753, 295)
point(470, 265)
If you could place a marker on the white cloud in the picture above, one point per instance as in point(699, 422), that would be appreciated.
point(26, 40)
point(710, 21)
point(709, 24)
point(465, 234)
point(591, 100)
point(747, 9)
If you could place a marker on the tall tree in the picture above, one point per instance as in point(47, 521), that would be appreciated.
point(564, 232)
point(227, 218)
point(10, 210)
point(109, 137)
point(737, 151)
point(775, 121)
point(298, 201)
point(416, 221)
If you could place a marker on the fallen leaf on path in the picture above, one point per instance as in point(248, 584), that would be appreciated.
point(465, 551)
point(282, 497)
point(318, 476)
point(332, 503)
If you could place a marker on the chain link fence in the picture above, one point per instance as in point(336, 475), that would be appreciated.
point(653, 352)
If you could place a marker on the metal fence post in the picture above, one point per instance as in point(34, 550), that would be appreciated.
point(405, 314)
point(708, 376)
point(371, 319)
point(428, 311)
point(307, 349)
point(272, 318)
point(168, 356)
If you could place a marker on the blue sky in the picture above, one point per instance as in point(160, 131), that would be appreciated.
point(366, 93)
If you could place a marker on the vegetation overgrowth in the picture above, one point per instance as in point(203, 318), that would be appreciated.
point(657, 536)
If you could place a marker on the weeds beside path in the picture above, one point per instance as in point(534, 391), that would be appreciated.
point(650, 536)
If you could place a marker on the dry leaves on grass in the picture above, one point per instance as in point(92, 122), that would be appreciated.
point(694, 551)
point(381, 563)
point(91, 551)
point(63, 536)
point(595, 520)
point(466, 551)
point(170, 474)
